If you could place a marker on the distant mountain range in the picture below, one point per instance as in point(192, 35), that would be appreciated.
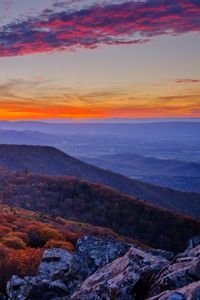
point(183, 183)
point(49, 160)
point(138, 165)
point(164, 172)
point(27, 137)
point(169, 140)
point(152, 130)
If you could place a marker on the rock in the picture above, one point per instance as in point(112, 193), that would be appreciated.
point(31, 288)
point(19, 289)
point(123, 278)
point(184, 270)
point(47, 284)
point(110, 269)
point(194, 242)
point(189, 292)
point(94, 253)
point(162, 253)
point(55, 260)
point(61, 271)
point(47, 290)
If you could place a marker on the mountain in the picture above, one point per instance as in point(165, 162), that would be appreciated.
point(171, 173)
point(82, 201)
point(27, 137)
point(49, 160)
point(139, 165)
point(151, 130)
point(175, 140)
point(183, 183)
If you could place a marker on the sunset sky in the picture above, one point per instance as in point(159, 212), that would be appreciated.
point(99, 59)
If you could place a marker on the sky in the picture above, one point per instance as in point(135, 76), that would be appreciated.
point(99, 59)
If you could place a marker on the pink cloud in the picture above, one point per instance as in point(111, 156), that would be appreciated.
point(131, 22)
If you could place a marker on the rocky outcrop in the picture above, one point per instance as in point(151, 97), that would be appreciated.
point(61, 271)
point(123, 278)
point(110, 269)
point(36, 288)
point(184, 270)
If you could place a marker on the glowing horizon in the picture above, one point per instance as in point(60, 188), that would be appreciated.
point(99, 59)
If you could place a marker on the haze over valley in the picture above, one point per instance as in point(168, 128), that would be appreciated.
point(161, 153)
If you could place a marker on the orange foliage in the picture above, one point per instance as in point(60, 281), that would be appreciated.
point(60, 244)
point(39, 235)
point(23, 236)
point(3, 230)
point(22, 262)
point(13, 242)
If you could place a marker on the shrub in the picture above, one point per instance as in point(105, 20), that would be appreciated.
point(60, 244)
point(13, 242)
point(3, 230)
point(39, 235)
point(22, 263)
point(23, 236)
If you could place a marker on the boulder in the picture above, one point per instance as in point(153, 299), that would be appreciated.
point(47, 284)
point(31, 288)
point(61, 271)
point(18, 288)
point(93, 253)
point(184, 270)
point(122, 279)
point(189, 292)
point(110, 269)
point(53, 261)
point(161, 253)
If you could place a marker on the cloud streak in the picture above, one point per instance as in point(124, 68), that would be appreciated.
point(130, 22)
point(188, 80)
point(37, 99)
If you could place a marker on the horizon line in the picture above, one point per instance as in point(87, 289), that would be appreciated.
point(103, 120)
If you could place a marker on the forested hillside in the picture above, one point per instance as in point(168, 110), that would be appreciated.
point(82, 201)
point(49, 160)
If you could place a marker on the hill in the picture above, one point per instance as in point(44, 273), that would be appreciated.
point(183, 183)
point(81, 201)
point(139, 165)
point(27, 137)
point(171, 173)
point(49, 160)
point(153, 130)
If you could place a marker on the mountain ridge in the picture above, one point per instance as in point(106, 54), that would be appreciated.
point(49, 160)
point(146, 165)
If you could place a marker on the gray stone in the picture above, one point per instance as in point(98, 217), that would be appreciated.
point(55, 260)
point(181, 272)
point(94, 253)
point(61, 271)
point(121, 279)
point(189, 292)
point(19, 289)
point(110, 269)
